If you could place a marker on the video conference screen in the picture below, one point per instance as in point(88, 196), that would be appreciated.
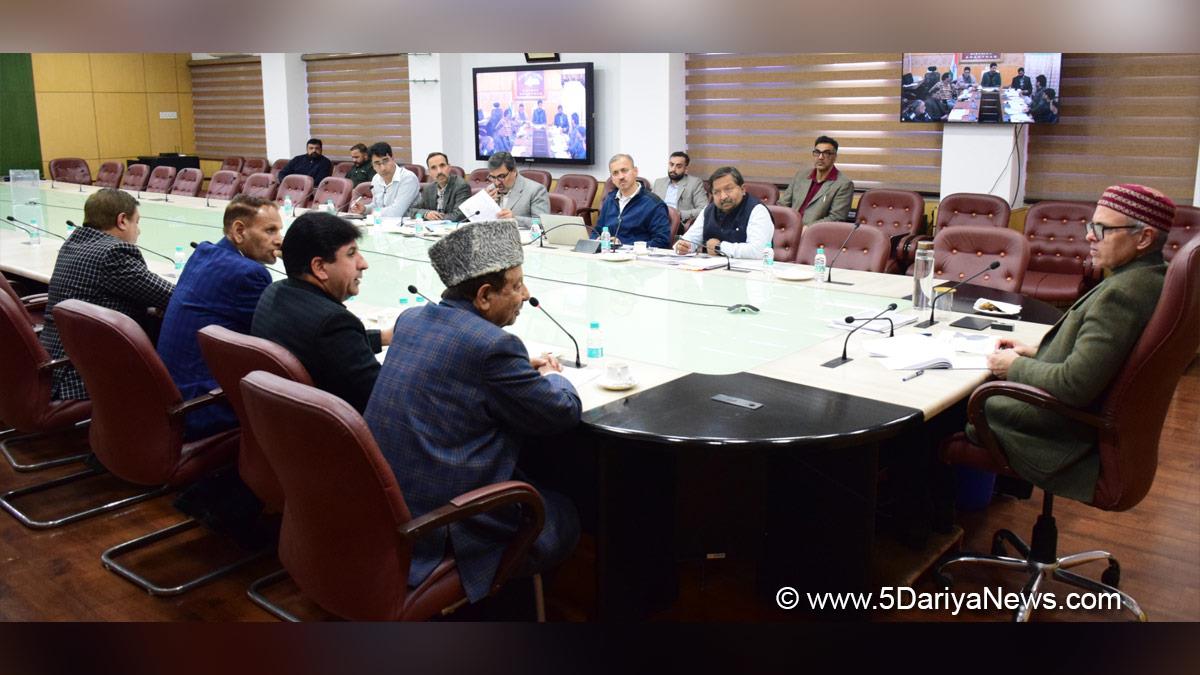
point(539, 112)
point(981, 87)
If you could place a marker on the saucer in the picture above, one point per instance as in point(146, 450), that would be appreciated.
point(617, 257)
point(794, 274)
point(605, 383)
point(1002, 308)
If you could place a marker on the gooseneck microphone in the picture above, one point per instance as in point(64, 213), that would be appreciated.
point(578, 362)
point(829, 268)
point(729, 261)
point(933, 303)
point(413, 289)
point(834, 363)
point(31, 226)
point(891, 324)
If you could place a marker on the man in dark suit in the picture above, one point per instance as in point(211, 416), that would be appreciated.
point(311, 163)
point(101, 264)
point(1022, 82)
point(992, 77)
point(305, 314)
point(439, 199)
point(457, 395)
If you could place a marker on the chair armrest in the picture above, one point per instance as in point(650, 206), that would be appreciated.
point(36, 302)
point(193, 404)
point(586, 214)
point(54, 363)
point(1026, 394)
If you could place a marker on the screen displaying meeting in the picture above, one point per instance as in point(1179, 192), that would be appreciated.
point(535, 112)
point(981, 87)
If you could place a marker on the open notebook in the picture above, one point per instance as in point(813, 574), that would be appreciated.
point(915, 351)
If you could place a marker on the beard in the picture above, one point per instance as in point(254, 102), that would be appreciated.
point(674, 176)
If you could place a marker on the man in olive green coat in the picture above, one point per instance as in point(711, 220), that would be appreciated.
point(1077, 360)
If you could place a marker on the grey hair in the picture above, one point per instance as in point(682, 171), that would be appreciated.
point(1160, 237)
point(621, 155)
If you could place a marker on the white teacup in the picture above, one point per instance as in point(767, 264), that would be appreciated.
point(640, 248)
point(617, 372)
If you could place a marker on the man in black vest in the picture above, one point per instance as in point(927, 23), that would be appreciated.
point(735, 223)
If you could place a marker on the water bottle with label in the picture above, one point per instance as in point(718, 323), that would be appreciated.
point(923, 275)
point(768, 262)
point(378, 218)
point(289, 209)
point(819, 268)
point(605, 241)
point(419, 224)
point(595, 342)
point(180, 259)
point(35, 235)
point(330, 207)
point(535, 229)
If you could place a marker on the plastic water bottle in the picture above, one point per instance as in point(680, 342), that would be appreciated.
point(330, 207)
point(768, 262)
point(180, 259)
point(35, 235)
point(289, 209)
point(403, 302)
point(605, 241)
point(595, 342)
point(378, 220)
point(923, 275)
point(535, 229)
point(819, 264)
point(419, 226)
point(420, 301)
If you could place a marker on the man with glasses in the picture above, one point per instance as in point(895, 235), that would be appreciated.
point(519, 198)
point(735, 225)
point(393, 189)
point(1079, 357)
point(823, 193)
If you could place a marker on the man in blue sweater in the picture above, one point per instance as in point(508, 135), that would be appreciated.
point(630, 212)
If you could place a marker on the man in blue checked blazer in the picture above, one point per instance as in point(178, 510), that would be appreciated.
point(220, 285)
point(454, 398)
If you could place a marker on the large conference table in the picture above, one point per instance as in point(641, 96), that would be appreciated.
point(679, 476)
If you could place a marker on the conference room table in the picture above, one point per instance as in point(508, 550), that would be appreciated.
point(678, 476)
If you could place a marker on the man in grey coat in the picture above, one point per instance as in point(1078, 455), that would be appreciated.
point(685, 193)
point(823, 193)
point(519, 198)
point(439, 199)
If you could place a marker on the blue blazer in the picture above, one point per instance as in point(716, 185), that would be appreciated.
point(645, 218)
point(455, 395)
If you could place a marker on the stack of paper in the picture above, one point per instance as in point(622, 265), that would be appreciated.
point(878, 325)
point(958, 351)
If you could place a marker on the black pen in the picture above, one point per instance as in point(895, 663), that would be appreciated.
point(915, 375)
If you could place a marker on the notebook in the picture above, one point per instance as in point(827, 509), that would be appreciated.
point(915, 351)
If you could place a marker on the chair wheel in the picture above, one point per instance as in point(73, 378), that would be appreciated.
point(1112, 575)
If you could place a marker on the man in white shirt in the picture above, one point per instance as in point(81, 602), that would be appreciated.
point(393, 189)
point(735, 224)
point(678, 189)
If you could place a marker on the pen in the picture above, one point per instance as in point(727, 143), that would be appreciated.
point(915, 375)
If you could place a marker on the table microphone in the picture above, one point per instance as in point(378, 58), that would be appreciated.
point(829, 268)
point(729, 261)
point(578, 363)
point(39, 229)
point(834, 363)
point(413, 289)
point(891, 324)
point(933, 303)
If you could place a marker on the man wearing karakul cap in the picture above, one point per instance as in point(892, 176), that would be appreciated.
point(1082, 353)
point(455, 395)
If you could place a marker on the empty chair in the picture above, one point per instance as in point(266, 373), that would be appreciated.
point(968, 208)
point(417, 169)
point(767, 193)
point(867, 249)
point(109, 175)
point(34, 305)
point(478, 180)
point(71, 170)
point(538, 176)
point(253, 165)
point(277, 166)
point(135, 177)
point(187, 182)
point(337, 190)
point(963, 250)
point(224, 185)
point(161, 179)
point(1185, 228)
point(233, 164)
point(458, 171)
point(362, 193)
point(788, 228)
point(260, 185)
point(582, 188)
point(1060, 262)
point(899, 214)
point(347, 533)
point(296, 186)
point(342, 169)
point(561, 205)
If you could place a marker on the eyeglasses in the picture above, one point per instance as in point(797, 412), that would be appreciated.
point(501, 178)
point(1097, 230)
point(824, 153)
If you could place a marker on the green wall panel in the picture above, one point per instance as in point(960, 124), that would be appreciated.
point(19, 145)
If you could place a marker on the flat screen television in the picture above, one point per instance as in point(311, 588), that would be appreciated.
point(981, 87)
point(540, 113)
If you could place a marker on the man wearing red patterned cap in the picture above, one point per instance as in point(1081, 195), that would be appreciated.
point(1079, 357)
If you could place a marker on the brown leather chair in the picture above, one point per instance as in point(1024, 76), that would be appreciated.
point(458, 171)
point(538, 176)
point(478, 180)
point(224, 185)
point(867, 249)
point(561, 205)
point(25, 401)
point(260, 185)
point(1185, 228)
point(337, 189)
point(297, 186)
point(161, 179)
point(233, 164)
point(253, 165)
point(767, 193)
point(967, 208)
point(1060, 263)
point(135, 177)
point(277, 166)
point(899, 214)
point(362, 193)
point(676, 223)
point(109, 175)
point(347, 534)
point(187, 182)
point(71, 170)
point(34, 305)
point(417, 169)
point(788, 230)
point(1128, 418)
point(342, 169)
point(582, 188)
point(963, 250)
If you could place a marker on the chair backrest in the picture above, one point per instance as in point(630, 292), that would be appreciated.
point(458, 171)
point(297, 186)
point(224, 185)
point(363, 191)
point(580, 187)
point(135, 177)
point(1185, 228)
point(161, 179)
point(277, 166)
point(342, 505)
point(260, 185)
point(788, 229)
point(1137, 400)
point(230, 357)
point(132, 433)
point(1057, 240)
point(676, 222)
point(233, 164)
point(561, 205)
point(417, 169)
point(478, 180)
point(895, 212)
point(109, 175)
point(71, 170)
point(538, 176)
point(337, 189)
point(187, 182)
point(968, 208)
point(26, 390)
point(867, 249)
point(253, 165)
point(767, 193)
point(342, 169)
point(963, 250)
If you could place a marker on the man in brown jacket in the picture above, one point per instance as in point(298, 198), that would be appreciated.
point(823, 193)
